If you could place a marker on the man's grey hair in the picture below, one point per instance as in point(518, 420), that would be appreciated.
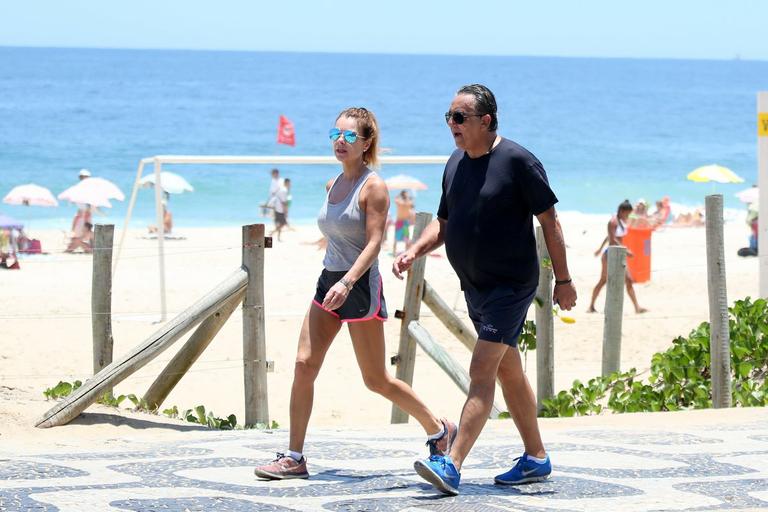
point(485, 102)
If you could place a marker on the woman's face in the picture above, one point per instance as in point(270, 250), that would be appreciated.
point(346, 151)
point(624, 214)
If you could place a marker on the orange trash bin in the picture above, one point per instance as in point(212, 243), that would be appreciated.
point(638, 241)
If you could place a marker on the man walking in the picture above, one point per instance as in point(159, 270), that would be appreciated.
point(492, 188)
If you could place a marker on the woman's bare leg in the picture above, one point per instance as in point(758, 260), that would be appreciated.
point(368, 342)
point(317, 333)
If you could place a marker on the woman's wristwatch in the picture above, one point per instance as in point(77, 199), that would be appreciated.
point(346, 284)
point(564, 281)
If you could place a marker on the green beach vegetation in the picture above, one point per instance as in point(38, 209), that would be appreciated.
point(197, 415)
point(678, 378)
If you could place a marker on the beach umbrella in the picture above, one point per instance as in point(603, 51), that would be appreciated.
point(749, 195)
point(402, 181)
point(10, 223)
point(171, 182)
point(714, 172)
point(30, 195)
point(94, 191)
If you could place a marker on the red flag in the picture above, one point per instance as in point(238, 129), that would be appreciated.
point(285, 132)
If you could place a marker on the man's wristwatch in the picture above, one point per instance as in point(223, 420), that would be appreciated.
point(564, 281)
point(346, 284)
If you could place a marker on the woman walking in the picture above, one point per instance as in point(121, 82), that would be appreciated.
point(617, 230)
point(349, 290)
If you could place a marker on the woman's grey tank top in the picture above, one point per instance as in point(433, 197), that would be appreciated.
point(343, 225)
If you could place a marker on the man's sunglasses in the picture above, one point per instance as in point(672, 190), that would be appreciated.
point(459, 117)
point(349, 136)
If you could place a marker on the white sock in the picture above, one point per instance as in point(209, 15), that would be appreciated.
point(297, 456)
point(440, 434)
point(536, 459)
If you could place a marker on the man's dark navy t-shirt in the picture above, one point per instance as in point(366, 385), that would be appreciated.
point(489, 203)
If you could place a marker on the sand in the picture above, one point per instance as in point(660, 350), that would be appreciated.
point(46, 328)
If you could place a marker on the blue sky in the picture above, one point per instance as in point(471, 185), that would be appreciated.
point(705, 29)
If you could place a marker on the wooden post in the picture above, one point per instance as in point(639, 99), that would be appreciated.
point(444, 360)
point(190, 352)
point(614, 309)
point(762, 179)
point(719, 337)
point(545, 325)
point(64, 411)
point(254, 339)
point(414, 284)
point(101, 297)
point(449, 319)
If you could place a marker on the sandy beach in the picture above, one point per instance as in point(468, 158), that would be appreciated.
point(46, 326)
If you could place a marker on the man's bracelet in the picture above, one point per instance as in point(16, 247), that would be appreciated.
point(346, 284)
point(566, 281)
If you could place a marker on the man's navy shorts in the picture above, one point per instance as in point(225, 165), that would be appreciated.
point(499, 313)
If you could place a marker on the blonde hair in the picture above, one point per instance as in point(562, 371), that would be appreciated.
point(368, 129)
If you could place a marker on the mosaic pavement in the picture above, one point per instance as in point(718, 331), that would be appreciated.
point(698, 468)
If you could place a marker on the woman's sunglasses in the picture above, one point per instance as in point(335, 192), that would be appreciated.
point(458, 117)
point(349, 136)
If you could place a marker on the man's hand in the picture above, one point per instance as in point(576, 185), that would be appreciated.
point(402, 263)
point(564, 295)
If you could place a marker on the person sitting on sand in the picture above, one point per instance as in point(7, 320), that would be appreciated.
point(8, 249)
point(639, 217)
point(82, 242)
point(617, 229)
point(661, 215)
point(167, 220)
point(689, 219)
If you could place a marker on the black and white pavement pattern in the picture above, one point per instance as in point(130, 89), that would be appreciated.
point(699, 468)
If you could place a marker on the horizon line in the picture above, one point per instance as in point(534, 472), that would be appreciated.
point(736, 58)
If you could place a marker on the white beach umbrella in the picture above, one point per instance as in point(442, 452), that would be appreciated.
point(30, 195)
point(170, 182)
point(93, 191)
point(749, 195)
point(403, 181)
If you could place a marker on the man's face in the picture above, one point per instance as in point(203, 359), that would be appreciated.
point(473, 130)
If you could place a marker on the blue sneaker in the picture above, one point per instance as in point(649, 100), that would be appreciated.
point(440, 472)
point(525, 472)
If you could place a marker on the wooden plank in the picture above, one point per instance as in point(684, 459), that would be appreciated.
point(450, 320)
point(414, 285)
point(101, 296)
point(254, 340)
point(719, 335)
point(64, 411)
point(545, 325)
point(190, 352)
point(445, 361)
point(614, 309)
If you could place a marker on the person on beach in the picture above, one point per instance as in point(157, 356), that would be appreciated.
point(492, 189)
point(617, 229)
point(83, 242)
point(349, 291)
point(281, 207)
point(167, 218)
point(79, 233)
point(405, 208)
point(274, 188)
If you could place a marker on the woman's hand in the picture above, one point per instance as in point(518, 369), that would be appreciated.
point(335, 296)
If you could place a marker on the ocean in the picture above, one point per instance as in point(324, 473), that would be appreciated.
point(605, 129)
